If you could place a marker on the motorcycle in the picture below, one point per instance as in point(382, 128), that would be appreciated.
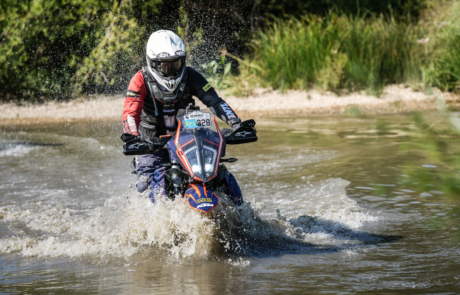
point(195, 151)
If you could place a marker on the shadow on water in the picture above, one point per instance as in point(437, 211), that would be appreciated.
point(297, 236)
point(343, 232)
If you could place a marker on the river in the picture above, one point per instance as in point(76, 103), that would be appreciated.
point(333, 204)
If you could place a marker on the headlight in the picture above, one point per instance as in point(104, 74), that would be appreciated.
point(209, 160)
point(192, 157)
point(202, 163)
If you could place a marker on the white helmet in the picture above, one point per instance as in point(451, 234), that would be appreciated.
point(166, 58)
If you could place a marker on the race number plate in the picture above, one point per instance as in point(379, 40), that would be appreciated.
point(197, 119)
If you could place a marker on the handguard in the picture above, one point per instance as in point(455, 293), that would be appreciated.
point(244, 133)
point(136, 145)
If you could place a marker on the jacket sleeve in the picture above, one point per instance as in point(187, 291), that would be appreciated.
point(134, 102)
point(201, 88)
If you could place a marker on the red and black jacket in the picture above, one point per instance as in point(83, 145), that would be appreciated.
point(140, 118)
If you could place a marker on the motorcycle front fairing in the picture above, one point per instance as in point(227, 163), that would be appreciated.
point(198, 146)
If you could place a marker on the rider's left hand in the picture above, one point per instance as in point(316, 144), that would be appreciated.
point(235, 124)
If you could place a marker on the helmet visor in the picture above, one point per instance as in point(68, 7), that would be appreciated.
point(169, 68)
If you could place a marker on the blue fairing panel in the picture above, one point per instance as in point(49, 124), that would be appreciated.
point(172, 150)
point(200, 198)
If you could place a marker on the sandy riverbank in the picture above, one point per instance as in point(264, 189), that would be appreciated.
point(395, 99)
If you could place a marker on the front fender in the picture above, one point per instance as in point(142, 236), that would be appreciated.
point(200, 198)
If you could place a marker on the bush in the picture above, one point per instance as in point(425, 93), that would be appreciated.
point(336, 52)
point(357, 52)
point(54, 48)
point(446, 68)
point(57, 49)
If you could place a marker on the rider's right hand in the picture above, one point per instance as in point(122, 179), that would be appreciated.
point(125, 137)
point(155, 141)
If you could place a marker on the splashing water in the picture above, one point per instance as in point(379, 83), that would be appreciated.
point(132, 224)
point(120, 228)
point(14, 149)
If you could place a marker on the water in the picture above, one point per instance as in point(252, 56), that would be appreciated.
point(333, 205)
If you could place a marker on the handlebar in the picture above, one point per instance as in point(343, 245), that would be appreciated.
point(136, 145)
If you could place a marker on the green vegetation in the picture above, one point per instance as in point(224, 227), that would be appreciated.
point(438, 145)
point(57, 49)
point(217, 72)
point(358, 52)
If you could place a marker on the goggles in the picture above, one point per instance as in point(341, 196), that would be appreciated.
point(168, 68)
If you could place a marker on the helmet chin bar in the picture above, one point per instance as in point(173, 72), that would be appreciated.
point(169, 83)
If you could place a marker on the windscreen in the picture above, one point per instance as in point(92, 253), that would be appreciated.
point(199, 144)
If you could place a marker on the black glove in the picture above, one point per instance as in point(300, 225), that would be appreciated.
point(139, 146)
point(155, 141)
point(125, 137)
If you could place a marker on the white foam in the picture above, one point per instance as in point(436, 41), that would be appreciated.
point(119, 229)
point(131, 224)
point(16, 150)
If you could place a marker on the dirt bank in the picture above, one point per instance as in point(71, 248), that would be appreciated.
point(395, 99)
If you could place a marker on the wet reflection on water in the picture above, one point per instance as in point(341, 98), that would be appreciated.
point(333, 204)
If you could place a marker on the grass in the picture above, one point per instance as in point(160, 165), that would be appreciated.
point(348, 53)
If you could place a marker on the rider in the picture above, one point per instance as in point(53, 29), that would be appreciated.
point(159, 93)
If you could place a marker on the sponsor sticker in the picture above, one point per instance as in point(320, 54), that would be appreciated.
point(132, 93)
point(191, 123)
point(204, 205)
point(209, 200)
point(207, 87)
point(228, 111)
point(197, 114)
